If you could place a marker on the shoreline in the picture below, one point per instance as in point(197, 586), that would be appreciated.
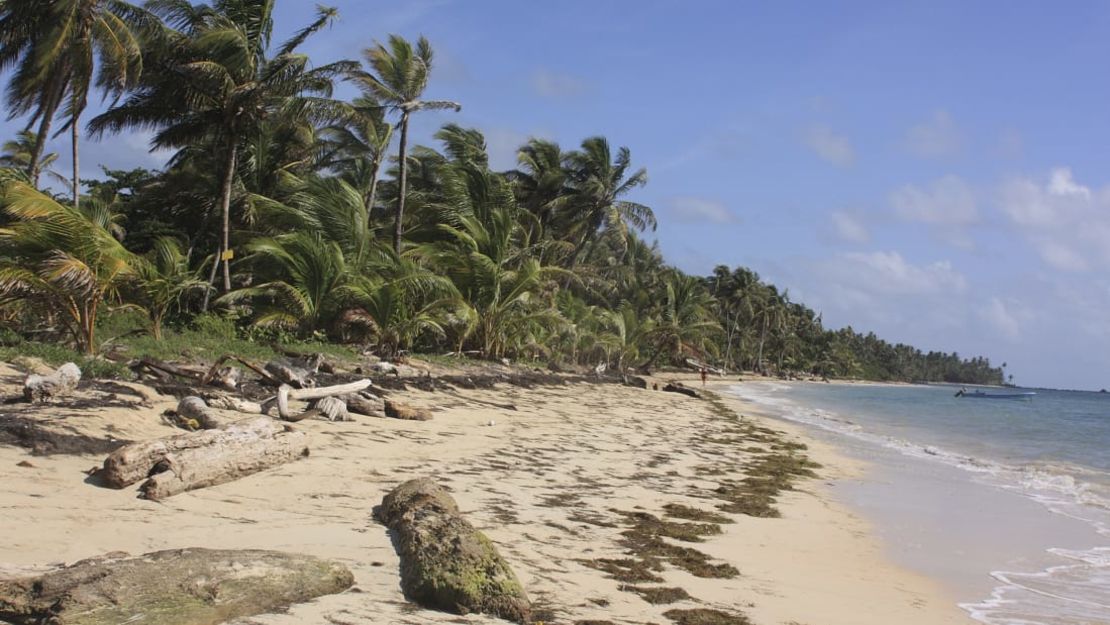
point(1012, 540)
point(840, 535)
point(552, 475)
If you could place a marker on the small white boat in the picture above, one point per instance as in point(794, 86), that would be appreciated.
point(977, 394)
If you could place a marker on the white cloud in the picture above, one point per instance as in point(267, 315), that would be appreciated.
point(830, 146)
point(948, 205)
point(888, 273)
point(694, 209)
point(996, 315)
point(936, 137)
point(850, 228)
point(884, 291)
point(1065, 222)
point(551, 84)
point(948, 201)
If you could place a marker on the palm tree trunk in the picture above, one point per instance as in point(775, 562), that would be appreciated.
point(229, 178)
point(46, 119)
point(372, 196)
point(75, 137)
point(402, 183)
point(762, 339)
point(211, 280)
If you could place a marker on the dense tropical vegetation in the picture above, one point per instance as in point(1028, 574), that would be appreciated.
point(323, 223)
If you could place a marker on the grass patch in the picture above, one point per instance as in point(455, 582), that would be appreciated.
point(55, 355)
point(706, 616)
point(659, 595)
point(688, 513)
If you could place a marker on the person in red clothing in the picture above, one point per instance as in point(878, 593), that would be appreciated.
point(704, 375)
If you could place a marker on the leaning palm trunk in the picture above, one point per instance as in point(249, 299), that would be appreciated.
point(402, 183)
point(46, 112)
point(371, 197)
point(75, 136)
point(225, 199)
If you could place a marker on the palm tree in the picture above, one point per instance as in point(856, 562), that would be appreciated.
point(599, 183)
point(18, 152)
point(33, 88)
point(307, 290)
point(163, 279)
point(476, 242)
point(402, 76)
point(61, 257)
point(356, 147)
point(73, 40)
point(685, 323)
point(212, 83)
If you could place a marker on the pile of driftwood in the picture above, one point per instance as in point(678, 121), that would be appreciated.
point(292, 379)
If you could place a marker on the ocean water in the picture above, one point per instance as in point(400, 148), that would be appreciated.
point(1019, 485)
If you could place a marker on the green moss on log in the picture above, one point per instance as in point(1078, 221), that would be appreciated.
point(446, 563)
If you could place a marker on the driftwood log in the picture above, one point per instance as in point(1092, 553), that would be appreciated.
point(230, 402)
point(291, 374)
point(634, 381)
point(397, 410)
point(678, 387)
point(287, 392)
point(178, 587)
point(364, 403)
point(135, 462)
point(201, 467)
point(214, 372)
point(43, 387)
point(196, 409)
point(447, 564)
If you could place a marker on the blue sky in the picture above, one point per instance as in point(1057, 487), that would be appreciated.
point(934, 171)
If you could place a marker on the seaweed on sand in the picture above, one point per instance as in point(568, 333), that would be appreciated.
point(705, 616)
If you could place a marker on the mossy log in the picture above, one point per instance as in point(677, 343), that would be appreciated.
point(177, 587)
point(135, 462)
point(227, 461)
point(447, 564)
point(43, 387)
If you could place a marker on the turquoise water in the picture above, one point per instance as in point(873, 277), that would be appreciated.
point(1053, 450)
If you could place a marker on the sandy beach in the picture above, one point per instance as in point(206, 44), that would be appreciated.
point(551, 474)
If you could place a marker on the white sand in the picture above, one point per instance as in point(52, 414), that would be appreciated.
point(533, 481)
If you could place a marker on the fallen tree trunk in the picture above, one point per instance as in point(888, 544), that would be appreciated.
point(43, 387)
point(219, 463)
point(135, 462)
point(177, 587)
point(446, 564)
